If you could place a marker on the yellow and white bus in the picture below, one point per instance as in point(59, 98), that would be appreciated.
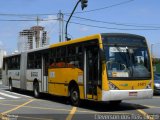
point(101, 67)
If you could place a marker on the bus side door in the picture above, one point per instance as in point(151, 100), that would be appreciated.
point(91, 69)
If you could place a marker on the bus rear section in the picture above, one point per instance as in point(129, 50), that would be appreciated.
point(128, 68)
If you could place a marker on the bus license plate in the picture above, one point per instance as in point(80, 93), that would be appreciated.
point(132, 93)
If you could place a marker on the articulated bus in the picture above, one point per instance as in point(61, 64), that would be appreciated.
point(101, 67)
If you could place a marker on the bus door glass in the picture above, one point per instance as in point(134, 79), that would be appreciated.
point(45, 71)
point(91, 71)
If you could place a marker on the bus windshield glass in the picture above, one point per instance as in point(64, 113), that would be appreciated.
point(126, 60)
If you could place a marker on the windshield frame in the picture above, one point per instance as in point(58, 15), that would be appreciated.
point(132, 46)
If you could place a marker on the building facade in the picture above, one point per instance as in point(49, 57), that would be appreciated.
point(32, 38)
point(2, 54)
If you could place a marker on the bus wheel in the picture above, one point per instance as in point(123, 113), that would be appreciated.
point(74, 96)
point(10, 85)
point(115, 103)
point(36, 90)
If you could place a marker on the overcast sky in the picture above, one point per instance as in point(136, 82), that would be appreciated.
point(117, 15)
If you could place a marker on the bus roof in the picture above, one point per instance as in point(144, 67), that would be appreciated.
point(31, 50)
point(122, 34)
point(95, 36)
point(86, 38)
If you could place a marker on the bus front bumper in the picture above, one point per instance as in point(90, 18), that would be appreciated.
point(112, 95)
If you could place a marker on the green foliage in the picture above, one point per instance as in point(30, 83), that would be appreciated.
point(156, 63)
point(158, 68)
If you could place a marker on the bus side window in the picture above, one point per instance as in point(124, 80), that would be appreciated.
point(37, 60)
point(74, 56)
point(52, 56)
point(30, 61)
point(79, 57)
point(61, 58)
point(4, 62)
point(13, 62)
point(70, 58)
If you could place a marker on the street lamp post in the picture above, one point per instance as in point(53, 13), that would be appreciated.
point(66, 33)
point(83, 5)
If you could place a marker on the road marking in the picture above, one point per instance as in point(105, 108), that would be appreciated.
point(145, 114)
point(69, 117)
point(19, 94)
point(42, 108)
point(93, 112)
point(1, 98)
point(156, 97)
point(34, 118)
point(81, 111)
point(7, 95)
point(151, 106)
point(18, 106)
point(13, 100)
point(8, 105)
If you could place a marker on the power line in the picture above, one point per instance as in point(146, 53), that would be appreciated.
point(151, 27)
point(26, 15)
point(114, 5)
point(14, 20)
point(115, 23)
point(108, 27)
point(46, 14)
point(52, 27)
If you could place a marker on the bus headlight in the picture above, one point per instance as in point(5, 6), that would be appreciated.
point(112, 86)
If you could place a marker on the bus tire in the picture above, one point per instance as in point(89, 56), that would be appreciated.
point(10, 85)
point(36, 90)
point(74, 96)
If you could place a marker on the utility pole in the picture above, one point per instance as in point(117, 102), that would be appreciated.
point(61, 26)
point(37, 21)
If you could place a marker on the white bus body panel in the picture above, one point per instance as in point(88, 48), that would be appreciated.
point(4, 75)
point(31, 75)
point(15, 77)
point(23, 66)
point(45, 84)
point(113, 95)
point(4, 78)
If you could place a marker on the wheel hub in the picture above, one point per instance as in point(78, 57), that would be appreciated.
point(75, 95)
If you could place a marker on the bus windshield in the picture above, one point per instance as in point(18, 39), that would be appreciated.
point(127, 61)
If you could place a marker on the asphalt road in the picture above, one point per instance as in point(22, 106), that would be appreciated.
point(22, 105)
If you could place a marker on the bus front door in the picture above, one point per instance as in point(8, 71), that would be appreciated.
point(91, 72)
